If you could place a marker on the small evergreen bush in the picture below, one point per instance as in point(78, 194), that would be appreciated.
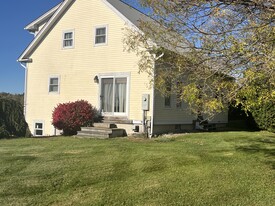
point(69, 117)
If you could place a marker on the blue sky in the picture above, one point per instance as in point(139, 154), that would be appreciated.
point(14, 16)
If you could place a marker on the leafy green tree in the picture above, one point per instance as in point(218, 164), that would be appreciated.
point(212, 52)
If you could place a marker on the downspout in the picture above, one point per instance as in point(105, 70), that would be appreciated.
point(25, 87)
point(153, 95)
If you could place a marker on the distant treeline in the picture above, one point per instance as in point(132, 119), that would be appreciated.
point(16, 97)
point(12, 120)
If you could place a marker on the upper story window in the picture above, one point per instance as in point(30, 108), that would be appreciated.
point(54, 85)
point(101, 35)
point(68, 39)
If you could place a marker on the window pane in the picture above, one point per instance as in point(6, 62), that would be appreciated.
point(38, 125)
point(68, 35)
point(107, 94)
point(53, 88)
point(101, 31)
point(68, 43)
point(120, 95)
point(39, 132)
point(100, 39)
point(54, 81)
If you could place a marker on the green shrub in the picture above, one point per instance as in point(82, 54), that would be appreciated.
point(3, 132)
point(264, 116)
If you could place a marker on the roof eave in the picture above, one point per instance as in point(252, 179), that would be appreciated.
point(33, 25)
point(41, 34)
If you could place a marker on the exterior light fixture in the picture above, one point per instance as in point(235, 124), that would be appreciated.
point(96, 80)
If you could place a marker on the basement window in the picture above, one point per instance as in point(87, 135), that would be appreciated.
point(38, 129)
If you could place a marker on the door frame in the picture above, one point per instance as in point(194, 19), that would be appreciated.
point(114, 76)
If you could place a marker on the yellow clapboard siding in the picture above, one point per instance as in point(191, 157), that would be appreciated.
point(77, 67)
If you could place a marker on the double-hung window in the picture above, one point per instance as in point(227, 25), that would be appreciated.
point(101, 35)
point(68, 39)
point(38, 129)
point(54, 84)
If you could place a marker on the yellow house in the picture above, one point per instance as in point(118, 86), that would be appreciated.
point(77, 53)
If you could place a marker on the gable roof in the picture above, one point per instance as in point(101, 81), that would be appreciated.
point(33, 26)
point(125, 11)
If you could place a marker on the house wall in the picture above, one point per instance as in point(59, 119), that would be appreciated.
point(176, 119)
point(78, 66)
point(173, 114)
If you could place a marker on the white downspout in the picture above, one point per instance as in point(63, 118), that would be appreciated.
point(153, 96)
point(25, 87)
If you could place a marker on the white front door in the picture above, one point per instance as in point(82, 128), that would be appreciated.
point(114, 95)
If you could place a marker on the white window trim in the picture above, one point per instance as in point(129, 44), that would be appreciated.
point(34, 129)
point(107, 30)
point(49, 84)
point(63, 35)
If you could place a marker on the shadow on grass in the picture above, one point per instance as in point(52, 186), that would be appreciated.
point(265, 146)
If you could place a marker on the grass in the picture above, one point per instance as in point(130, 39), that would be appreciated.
point(229, 168)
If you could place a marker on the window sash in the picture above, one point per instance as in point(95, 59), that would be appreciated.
point(38, 129)
point(101, 35)
point(54, 84)
point(68, 38)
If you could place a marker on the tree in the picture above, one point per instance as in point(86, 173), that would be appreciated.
point(212, 51)
point(12, 120)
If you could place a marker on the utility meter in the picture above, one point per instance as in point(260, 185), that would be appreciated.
point(145, 102)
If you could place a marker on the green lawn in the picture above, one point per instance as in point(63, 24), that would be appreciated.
point(229, 168)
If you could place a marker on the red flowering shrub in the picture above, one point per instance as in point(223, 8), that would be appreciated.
point(69, 117)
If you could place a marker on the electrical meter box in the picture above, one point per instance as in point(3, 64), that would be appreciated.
point(145, 102)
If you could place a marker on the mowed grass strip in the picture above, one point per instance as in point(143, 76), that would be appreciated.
point(223, 168)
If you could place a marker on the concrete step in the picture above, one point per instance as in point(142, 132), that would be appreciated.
point(85, 134)
point(101, 132)
point(116, 120)
point(105, 125)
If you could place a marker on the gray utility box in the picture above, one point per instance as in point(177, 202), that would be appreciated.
point(145, 102)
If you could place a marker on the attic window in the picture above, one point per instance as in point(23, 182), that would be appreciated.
point(68, 39)
point(100, 35)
